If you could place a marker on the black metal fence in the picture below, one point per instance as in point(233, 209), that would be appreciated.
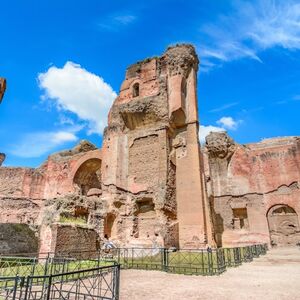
point(181, 261)
point(55, 278)
point(95, 275)
point(185, 261)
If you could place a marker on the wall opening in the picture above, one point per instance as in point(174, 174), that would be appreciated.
point(146, 219)
point(136, 90)
point(88, 176)
point(283, 225)
point(110, 225)
point(240, 218)
point(183, 91)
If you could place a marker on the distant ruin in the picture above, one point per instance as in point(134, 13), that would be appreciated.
point(254, 190)
point(2, 88)
point(151, 184)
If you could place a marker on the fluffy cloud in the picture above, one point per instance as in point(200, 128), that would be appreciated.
point(225, 123)
point(74, 89)
point(254, 26)
point(228, 123)
point(40, 143)
point(206, 130)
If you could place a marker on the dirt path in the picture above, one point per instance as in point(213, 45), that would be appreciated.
point(273, 276)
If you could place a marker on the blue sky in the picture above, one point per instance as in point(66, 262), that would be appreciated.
point(65, 60)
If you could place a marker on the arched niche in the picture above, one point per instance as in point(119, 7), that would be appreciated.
point(88, 176)
point(283, 224)
point(110, 225)
point(136, 89)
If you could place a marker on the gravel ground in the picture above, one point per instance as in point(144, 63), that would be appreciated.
point(273, 276)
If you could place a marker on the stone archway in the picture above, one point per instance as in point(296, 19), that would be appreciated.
point(283, 225)
point(88, 176)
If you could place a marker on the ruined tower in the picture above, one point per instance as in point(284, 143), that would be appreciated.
point(151, 169)
point(2, 88)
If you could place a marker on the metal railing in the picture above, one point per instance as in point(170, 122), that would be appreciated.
point(60, 278)
point(181, 261)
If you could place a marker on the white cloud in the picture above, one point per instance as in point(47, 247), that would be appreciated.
point(228, 123)
point(40, 143)
point(254, 26)
point(117, 21)
point(76, 90)
point(124, 19)
point(225, 123)
point(223, 107)
point(206, 130)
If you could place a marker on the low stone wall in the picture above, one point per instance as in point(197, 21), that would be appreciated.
point(17, 239)
point(70, 239)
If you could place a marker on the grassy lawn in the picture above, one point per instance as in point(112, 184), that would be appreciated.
point(30, 268)
point(182, 262)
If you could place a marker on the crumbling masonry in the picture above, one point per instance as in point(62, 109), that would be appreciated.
point(151, 185)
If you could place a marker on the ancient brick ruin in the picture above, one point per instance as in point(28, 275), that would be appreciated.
point(151, 185)
point(254, 190)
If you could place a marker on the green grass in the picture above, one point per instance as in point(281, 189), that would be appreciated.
point(73, 220)
point(37, 271)
point(30, 268)
point(200, 263)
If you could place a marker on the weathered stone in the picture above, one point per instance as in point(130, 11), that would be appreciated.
point(2, 88)
point(247, 182)
point(17, 239)
point(219, 145)
point(2, 158)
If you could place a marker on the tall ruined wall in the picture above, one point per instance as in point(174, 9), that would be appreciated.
point(246, 181)
point(151, 173)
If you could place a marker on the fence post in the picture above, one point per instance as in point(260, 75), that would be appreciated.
point(210, 262)
point(15, 287)
point(46, 264)
point(165, 259)
point(33, 266)
point(27, 286)
point(49, 287)
point(117, 282)
point(218, 262)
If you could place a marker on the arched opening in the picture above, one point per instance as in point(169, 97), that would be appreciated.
point(88, 177)
point(110, 226)
point(136, 90)
point(283, 225)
